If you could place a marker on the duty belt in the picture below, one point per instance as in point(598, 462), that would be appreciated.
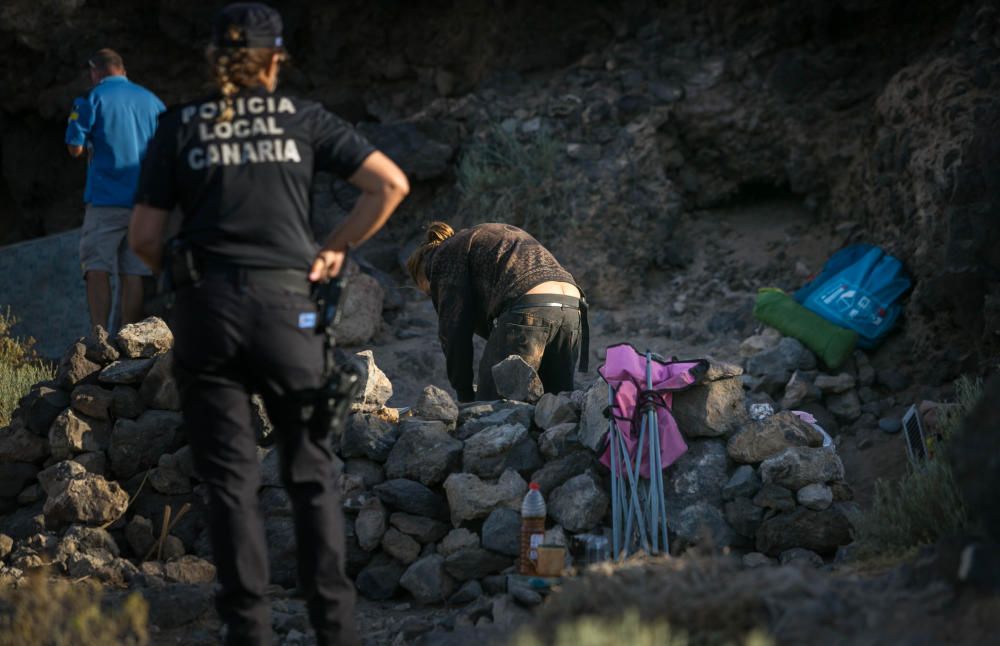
point(529, 301)
point(292, 280)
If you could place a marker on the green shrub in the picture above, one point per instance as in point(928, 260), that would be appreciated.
point(504, 179)
point(63, 613)
point(629, 629)
point(924, 505)
point(20, 367)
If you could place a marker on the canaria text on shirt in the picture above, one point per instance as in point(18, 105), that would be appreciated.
point(252, 136)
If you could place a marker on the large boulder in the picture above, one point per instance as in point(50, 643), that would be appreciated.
point(73, 433)
point(412, 497)
point(144, 339)
point(553, 410)
point(379, 580)
point(172, 475)
point(815, 496)
point(138, 444)
point(559, 440)
point(41, 406)
point(593, 417)
point(159, 388)
point(516, 380)
point(711, 409)
point(87, 499)
point(18, 444)
point(820, 531)
point(362, 310)
point(367, 435)
point(560, 470)
point(426, 455)
point(494, 414)
point(770, 436)
point(457, 539)
point(74, 367)
point(799, 466)
point(92, 400)
point(578, 504)
point(436, 404)
point(744, 482)
point(376, 389)
point(189, 569)
point(744, 516)
point(470, 498)
point(775, 366)
point(126, 371)
point(698, 476)
point(126, 402)
point(400, 546)
point(54, 478)
point(702, 524)
point(502, 532)
point(427, 580)
point(475, 563)
point(845, 406)
point(99, 347)
point(491, 451)
point(424, 530)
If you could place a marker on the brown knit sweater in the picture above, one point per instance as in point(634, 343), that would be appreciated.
point(474, 276)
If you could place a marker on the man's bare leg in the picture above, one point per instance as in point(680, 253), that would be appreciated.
point(131, 299)
point(99, 297)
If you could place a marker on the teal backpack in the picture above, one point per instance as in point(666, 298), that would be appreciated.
point(860, 289)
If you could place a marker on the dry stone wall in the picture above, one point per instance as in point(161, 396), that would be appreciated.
point(92, 458)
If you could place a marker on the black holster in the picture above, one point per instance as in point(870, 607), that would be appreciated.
point(327, 408)
point(332, 401)
point(181, 266)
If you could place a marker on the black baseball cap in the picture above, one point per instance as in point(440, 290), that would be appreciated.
point(247, 24)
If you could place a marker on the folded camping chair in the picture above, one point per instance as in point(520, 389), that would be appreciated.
point(642, 441)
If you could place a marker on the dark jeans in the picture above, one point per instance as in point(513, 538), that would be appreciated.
point(232, 339)
point(546, 337)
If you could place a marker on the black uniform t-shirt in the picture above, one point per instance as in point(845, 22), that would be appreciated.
point(243, 185)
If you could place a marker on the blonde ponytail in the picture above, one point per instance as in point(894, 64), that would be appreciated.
point(437, 232)
point(234, 69)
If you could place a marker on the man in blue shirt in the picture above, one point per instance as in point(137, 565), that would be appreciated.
point(114, 124)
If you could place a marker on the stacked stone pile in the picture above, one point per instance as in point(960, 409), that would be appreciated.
point(852, 398)
point(81, 446)
point(92, 459)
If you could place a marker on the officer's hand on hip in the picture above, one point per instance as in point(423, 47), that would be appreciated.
point(327, 265)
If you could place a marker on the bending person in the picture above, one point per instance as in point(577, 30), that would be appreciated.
point(240, 165)
point(497, 281)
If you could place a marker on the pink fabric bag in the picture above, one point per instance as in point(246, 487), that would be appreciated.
point(625, 371)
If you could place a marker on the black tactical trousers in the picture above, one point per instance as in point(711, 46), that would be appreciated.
point(234, 337)
point(546, 336)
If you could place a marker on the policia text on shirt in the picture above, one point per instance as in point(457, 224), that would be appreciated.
point(255, 117)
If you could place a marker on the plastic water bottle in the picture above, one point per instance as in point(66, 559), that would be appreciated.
point(532, 528)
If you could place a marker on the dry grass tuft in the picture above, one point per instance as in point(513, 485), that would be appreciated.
point(20, 367)
point(924, 505)
point(504, 179)
point(62, 613)
point(700, 600)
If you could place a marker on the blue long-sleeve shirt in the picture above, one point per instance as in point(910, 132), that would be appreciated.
point(117, 120)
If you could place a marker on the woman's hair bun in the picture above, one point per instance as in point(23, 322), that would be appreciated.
point(438, 232)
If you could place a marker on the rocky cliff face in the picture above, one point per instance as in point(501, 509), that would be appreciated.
point(629, 120)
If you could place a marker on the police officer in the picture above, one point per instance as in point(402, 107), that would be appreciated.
point(239, 165)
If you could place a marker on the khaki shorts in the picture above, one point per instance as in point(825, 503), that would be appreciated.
point(104, 242)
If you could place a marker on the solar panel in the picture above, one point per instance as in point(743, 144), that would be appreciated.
point(916, 446)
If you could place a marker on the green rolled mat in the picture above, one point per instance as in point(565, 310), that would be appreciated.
point(831, 343)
